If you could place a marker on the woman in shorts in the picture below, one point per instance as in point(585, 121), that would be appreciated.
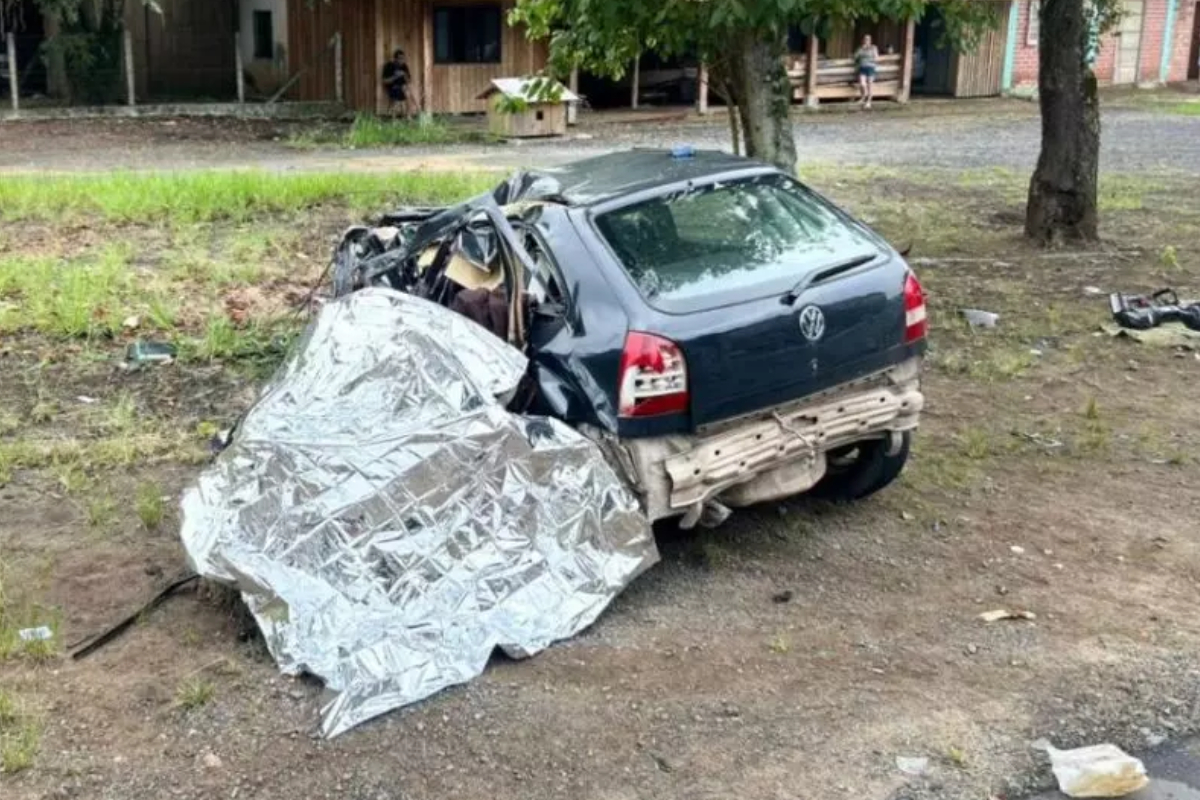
point(866, 59)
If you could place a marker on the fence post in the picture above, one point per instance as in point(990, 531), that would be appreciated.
point(237, 63)
point(338, 89)
point(702, 90)
point(573, 107)
point(12, 70)
point(636, 81)
point(129, 82)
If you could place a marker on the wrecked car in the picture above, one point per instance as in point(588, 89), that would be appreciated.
point(724, 333)
point(671, 334)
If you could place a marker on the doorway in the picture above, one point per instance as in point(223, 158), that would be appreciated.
point(1129, 43)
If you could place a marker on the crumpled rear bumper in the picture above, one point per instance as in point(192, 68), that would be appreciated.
point(772, 455)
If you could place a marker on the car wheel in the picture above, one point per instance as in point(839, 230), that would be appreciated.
point(861, 469)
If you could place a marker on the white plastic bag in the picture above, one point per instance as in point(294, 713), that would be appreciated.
point(1101, 770)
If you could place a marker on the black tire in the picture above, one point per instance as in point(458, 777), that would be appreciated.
point(868, 469)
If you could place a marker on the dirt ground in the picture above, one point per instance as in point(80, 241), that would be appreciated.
point(1055, 472)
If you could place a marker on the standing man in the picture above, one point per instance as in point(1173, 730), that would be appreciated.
point(395, 82)
point(866, 59)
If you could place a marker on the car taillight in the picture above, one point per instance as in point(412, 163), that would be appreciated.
point(653, 378)
point(916, 324)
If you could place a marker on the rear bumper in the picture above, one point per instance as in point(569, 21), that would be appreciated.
point(771, 455)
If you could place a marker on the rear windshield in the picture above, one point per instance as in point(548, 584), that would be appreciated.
point(730, 242)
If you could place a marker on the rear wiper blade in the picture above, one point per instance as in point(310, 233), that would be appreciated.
point(824, 274)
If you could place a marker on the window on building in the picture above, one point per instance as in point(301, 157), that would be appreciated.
point(467, 34)
point(264, 35)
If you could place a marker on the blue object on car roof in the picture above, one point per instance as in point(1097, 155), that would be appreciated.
point(683, 151)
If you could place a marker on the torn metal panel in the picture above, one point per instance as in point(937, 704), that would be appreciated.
point(389, 524)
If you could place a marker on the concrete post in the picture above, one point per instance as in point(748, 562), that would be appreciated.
point(811, 63)
point(12, 71)
point(131, 97)
point(573, 85)
point(237, 65)
point(906, 62)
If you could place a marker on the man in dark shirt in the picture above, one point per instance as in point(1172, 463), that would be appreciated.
point(395, 82)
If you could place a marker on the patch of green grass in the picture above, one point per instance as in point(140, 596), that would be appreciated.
point(262, 343)
point(372, 131)
point(101, 512)
point(71, 476)
point(369, 130)
point(16, 616)
point(990, 364)
point(937, 465)
point(779, 644)
point(74, 298)
point(20, 736)
point(194, 693)
point(150, 444)
point(1168, 257)
point(205, 196)
point(976, 443)
point(150, 507)
point(1187, 109)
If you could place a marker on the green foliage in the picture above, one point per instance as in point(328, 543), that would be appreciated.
point(604, 36)
point(90, 47)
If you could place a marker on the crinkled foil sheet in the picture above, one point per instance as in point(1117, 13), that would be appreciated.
point(389, 524)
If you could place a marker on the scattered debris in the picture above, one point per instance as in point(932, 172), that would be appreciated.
point(1003, 613)
point(906, 516)
point(131, 322)
point(1169, 334)
point(980, 319)
point(87, 401)
point(211, 760)
point(1017, 550)
point(141, 352)
point(782, 597)
point(94, 643)
point(917, 766)
point(972, 649)
point(1102, 770)
point(1093, 290)
point(41, 633)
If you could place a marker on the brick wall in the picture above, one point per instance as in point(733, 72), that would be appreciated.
point(1154, 14)
point(1184, 23)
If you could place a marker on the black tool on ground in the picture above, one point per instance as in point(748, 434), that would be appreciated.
point(1141, 313)
point(116, 630)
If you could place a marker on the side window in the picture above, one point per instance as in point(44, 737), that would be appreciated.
point(545, 284)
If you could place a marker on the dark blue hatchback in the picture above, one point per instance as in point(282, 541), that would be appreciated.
point(726, 333)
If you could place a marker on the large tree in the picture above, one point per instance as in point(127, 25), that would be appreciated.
point(743, 42)
point(1062, 192)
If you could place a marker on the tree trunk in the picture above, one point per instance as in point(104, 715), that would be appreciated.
point(763, 97)
point(1062, 193)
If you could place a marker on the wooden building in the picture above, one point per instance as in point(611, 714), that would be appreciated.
point(454, 49)
point(940, 70)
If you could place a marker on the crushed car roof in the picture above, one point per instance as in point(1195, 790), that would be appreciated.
point(595, 180)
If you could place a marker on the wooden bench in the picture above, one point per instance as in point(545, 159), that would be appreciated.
point(838, 77)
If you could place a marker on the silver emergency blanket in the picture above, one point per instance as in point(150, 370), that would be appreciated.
point(389, 523)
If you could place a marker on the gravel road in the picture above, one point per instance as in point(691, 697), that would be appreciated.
point(978, 135)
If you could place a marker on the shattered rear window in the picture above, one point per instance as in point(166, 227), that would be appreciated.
point(725, 242)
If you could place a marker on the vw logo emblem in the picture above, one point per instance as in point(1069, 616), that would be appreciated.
point(812, 323)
